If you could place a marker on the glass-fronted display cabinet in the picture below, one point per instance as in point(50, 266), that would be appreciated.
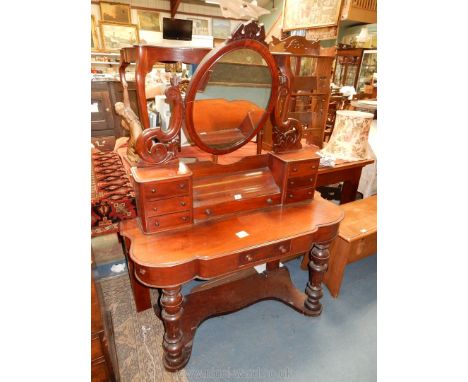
point(367, 69)
point(355, 67)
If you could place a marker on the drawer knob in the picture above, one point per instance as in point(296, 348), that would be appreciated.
point(291, 195)
point(153, 190)
point(182, 185)
point(311, 179)
point(185, 218)
point(291, 182)
point(283, 249)
point(208, 211)
point(183, 204)
point(155, 208)
point(142, 271)
point(269, 201)
point(248, 257)
point(309, 192)
point(156, 223)
point(294, 169)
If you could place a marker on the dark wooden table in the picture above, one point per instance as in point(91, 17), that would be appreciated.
point(226, 250)
point(347, 172)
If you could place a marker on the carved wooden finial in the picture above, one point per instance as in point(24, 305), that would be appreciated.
point(251, 30)
point(295, 45)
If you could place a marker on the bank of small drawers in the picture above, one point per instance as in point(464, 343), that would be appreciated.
point(300, 184)
point(165, 205)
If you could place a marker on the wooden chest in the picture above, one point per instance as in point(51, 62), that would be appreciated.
point(356, 240)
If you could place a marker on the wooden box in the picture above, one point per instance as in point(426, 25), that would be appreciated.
point(356, 240)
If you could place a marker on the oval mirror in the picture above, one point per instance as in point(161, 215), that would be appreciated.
point(231, 96)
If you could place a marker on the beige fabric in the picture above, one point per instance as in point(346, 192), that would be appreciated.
point(350, 134)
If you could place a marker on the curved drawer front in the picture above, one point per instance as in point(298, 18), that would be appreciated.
point(167, 206)
point(165, 190)
point(304, 181)
point(297, 194)
point(158, 223)
point(302, 168)
point(263, 253)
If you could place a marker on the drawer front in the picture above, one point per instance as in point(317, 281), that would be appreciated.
point(158, 190)
point(298, 194)
point(260, 254)
point(200, 213)
point(302, 168)
point(96, 348)
point(158, 223)
point(167, 206)
point(304, 181)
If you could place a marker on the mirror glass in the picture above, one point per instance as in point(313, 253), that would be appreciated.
point(231, 99)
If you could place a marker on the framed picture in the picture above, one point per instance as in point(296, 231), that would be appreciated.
point(115, 12)
point(221, 28)
point(305, 14)
point(94, 38)
point(149, 21)
point(199, 26)
point(116, 36)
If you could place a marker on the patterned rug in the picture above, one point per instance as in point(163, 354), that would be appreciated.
point(138, 336)
point(112, 195)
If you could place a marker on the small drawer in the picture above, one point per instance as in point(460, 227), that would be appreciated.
point(297, 194)
point(157, 223)
point(158, 190)
point(302, 168)
point(260, 254)
point(167, 206)
point(96, 347)
point(304, 181)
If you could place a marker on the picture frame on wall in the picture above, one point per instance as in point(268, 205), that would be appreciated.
point(94, 38)
point(305, 14)
point(116, 36)
point(115, 12)
point(149, 20)
point(200, 26)
point(221, 28)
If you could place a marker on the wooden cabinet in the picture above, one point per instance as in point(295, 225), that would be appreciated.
point(355, 67)
point(347, 64)
point(104, 120)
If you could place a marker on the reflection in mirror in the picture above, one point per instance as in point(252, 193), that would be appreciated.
point(232, 99)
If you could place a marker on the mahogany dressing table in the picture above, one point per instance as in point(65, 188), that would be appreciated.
point(198, 219)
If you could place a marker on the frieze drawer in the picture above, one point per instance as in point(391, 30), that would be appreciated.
point(166, 189)
point(263, 253)
point(298, 194)
point(157, 223)
point(303, 168)
point(304, 181)
point(167, 206)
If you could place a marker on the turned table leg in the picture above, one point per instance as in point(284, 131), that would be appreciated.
point(318, 263)
point(171, 303)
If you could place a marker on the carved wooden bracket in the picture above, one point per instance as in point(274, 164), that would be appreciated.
point(286, 134)
point(252, 30)
point(155, 146)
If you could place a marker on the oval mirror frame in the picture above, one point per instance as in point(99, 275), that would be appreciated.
point(232, 44)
